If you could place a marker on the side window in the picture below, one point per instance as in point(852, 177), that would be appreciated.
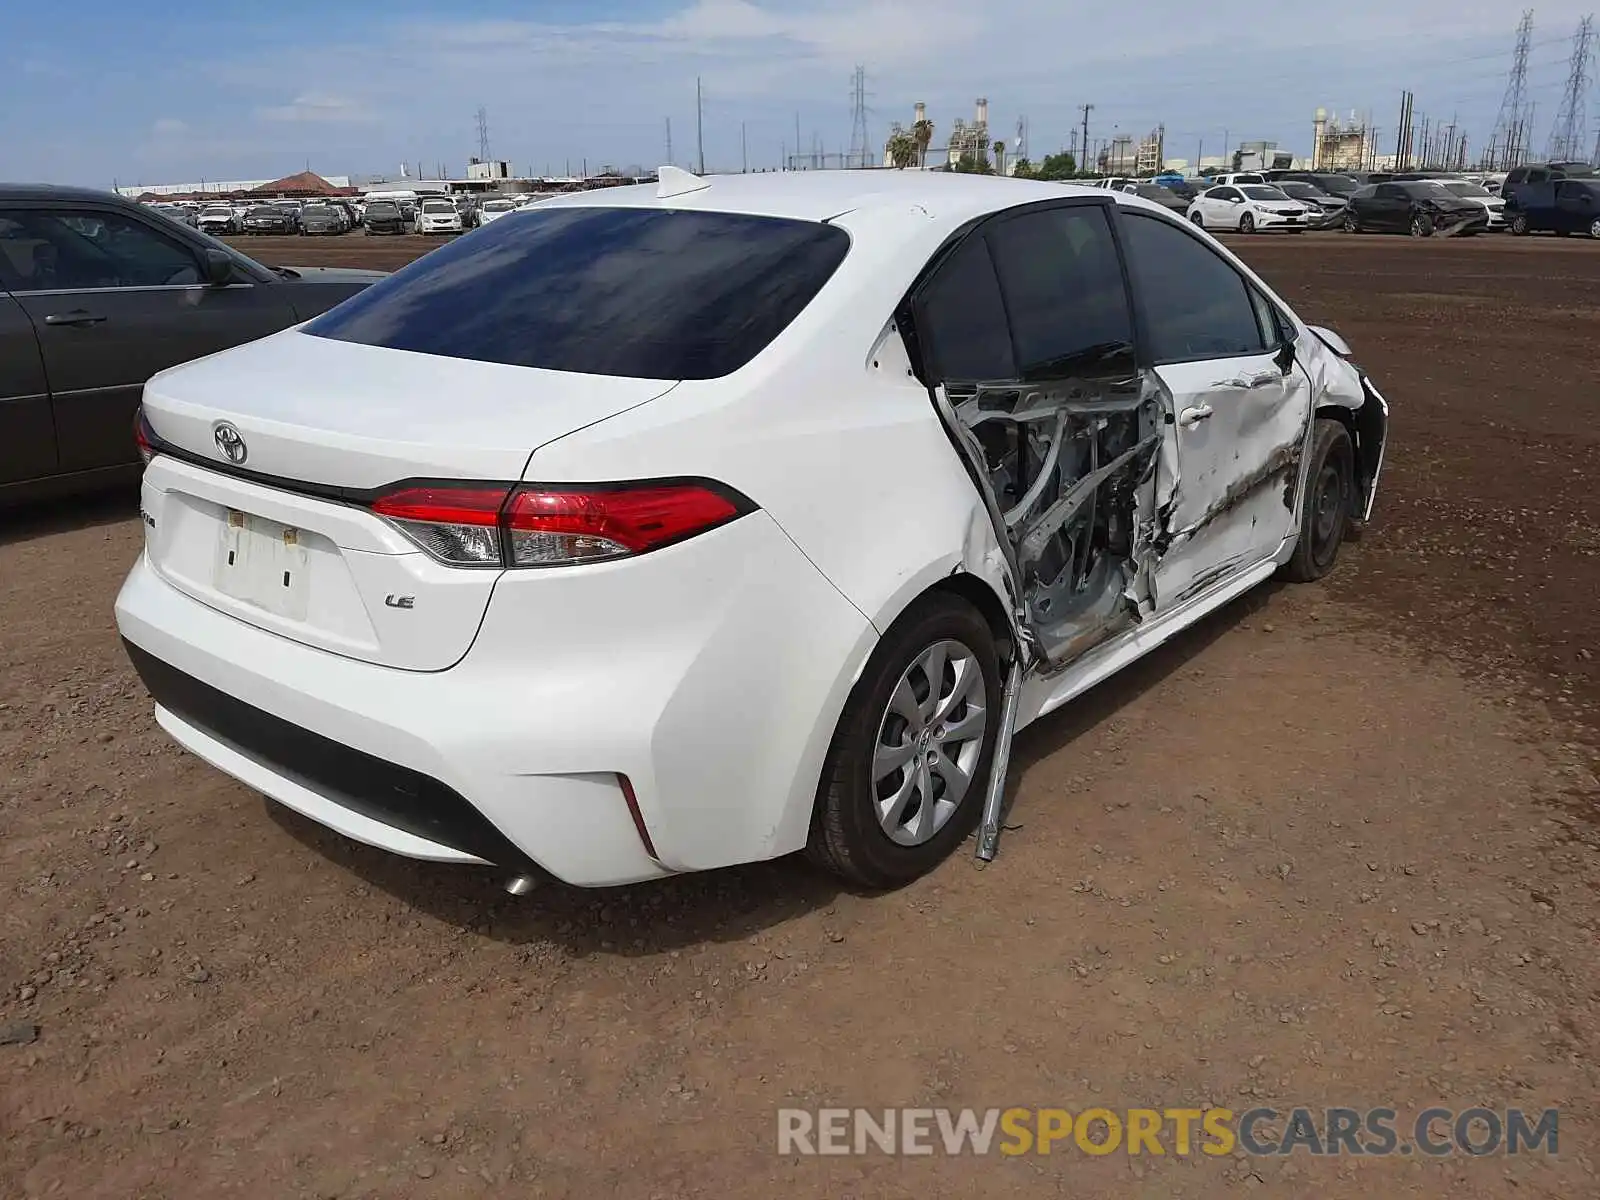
point(1224, 193)
point(1538, 175)
point(1388, 191)
point(1276, 328)
point(1061, 279)
point(1196, 304)
point(49, 249)
point(964, 319)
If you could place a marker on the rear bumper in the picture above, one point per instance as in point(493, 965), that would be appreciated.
point(710, 674)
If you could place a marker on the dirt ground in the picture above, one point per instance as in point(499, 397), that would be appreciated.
point(1332, 848)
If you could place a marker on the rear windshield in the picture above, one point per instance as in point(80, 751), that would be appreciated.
point(438, 206)
point(641, 292)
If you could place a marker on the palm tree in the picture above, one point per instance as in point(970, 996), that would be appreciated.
point(922, 131)
point(902, 149)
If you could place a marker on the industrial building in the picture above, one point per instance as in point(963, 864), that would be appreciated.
point(1340, 146)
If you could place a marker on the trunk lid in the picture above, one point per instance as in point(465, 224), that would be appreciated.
point(311, 563)
point(334, 413)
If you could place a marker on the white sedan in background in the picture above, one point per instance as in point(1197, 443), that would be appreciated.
point(493, 210)
point(1249, 208)
point(439, 216)
point(676, 526)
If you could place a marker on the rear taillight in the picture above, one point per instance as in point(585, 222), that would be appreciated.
point(144, 438)
point(493, 526)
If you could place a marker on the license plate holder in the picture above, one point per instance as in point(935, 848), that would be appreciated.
point(263, 564)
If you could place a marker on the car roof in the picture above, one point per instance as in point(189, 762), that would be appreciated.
point(54, 191)
point(821, 195)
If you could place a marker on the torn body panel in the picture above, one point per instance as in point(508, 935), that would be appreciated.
point(1067, 472)
point(1241, 432)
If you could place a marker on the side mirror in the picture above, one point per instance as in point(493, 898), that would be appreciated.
point(1332, 340)
point(218, 268)
point(1235, 199)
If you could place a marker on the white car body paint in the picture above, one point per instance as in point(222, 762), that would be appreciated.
point(1226, 206)
point(711, 673)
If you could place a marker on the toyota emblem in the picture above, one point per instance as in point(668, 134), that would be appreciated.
point(230, 443)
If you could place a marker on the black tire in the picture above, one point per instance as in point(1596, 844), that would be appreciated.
point(1326, 506)
point(846, 837)
point(1519, 225)
point(1247, 223)
point(1421, 226)
point(1352, 223)
point(1594, 228)
point(1198, 220)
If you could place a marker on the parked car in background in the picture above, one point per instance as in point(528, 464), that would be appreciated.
point(269, 218)
point(1237, 177)
point(1163, 196)
point(218, 220)
point(622, 632)
point(324, 219)
point(494, 209)
point(1323, 211)
point(438, 215)
point(96, 295)
point(1420, 207)
point(384, 216)
point(1493, 206)
point(1333, 183)
point(1185, 189)
point(1249, 208)
point(1562, 206)
point(1534, 174)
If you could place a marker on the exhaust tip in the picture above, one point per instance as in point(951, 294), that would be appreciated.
point(520, 885)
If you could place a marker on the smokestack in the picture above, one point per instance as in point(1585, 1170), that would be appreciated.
point(982, 116)
point(1319, 125)
point(921, 111)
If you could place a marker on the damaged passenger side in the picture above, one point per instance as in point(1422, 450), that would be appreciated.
point(1030, 325)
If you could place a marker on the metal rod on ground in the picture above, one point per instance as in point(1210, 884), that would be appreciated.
point(994, 801)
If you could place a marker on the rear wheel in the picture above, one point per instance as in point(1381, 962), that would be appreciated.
point(1594, 228)
point(904, 780)
point(1352, 223)
point(1325, 507)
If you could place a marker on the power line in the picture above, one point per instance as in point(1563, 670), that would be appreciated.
point(1571, 125)
point(860, 150)
point(483, 134)
point(1510, 130)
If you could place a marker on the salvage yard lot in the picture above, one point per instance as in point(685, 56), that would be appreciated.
point(1333, 847)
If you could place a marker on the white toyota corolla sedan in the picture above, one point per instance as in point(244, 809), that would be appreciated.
point(690, 524)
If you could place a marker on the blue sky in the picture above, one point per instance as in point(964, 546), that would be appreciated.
point(180, 90)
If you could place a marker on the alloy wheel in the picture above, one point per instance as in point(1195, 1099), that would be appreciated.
point(929, 741)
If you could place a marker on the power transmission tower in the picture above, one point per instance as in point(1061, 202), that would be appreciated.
point(1569, 132)
point(860, 150)
point(1510, 126)
point(483, 134)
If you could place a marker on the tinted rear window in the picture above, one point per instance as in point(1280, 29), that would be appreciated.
point(641, 292)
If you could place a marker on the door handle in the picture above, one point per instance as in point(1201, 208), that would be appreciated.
point(1193, 416)
point(78, 316)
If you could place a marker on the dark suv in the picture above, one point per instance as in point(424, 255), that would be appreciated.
point(97, 294)
point(1559, 206)
point(1530, 174)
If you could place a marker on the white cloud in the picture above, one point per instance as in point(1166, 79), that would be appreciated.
point(168, 127)
point(318, 107)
